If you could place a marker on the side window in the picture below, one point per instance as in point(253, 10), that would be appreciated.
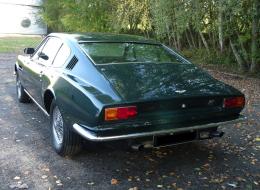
point(50, 49)
point(39, 49)
point(61, 56)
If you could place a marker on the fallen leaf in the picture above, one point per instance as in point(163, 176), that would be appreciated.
point(23, 186)
point(46, 169)
point(114, 181)
point(133, 188)
point(58, 181)
point(17, 178)
point(240, 179)
point(234, 185)
point(44, 176)
point(206, 165)
point(159, 186)
point(172, 173)
point(19, 186)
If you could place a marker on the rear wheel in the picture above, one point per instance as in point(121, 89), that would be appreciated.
point(64, 140)
point(21, 94)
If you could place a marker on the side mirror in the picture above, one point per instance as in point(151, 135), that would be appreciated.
point(43, 56)
point(29, 51)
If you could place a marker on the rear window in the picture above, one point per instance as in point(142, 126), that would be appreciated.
point(105, 52)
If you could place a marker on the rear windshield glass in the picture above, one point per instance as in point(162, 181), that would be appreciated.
point(105, 52)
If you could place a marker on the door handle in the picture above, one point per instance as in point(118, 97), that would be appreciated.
point(20, 67)
point(41, 73)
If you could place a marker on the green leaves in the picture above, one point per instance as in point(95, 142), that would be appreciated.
point(79, 16)
point(183, 24)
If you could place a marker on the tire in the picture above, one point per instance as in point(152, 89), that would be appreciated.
point(65, 141)
point(21, 94)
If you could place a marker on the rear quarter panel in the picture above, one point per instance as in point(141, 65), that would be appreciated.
point(82, 92)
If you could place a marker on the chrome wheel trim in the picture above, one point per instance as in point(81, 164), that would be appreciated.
point(57, 125)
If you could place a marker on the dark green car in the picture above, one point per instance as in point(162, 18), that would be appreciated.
point(104, 87)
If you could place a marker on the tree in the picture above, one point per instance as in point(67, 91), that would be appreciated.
point(131, 16)
point(217, 29)
point(78, 15)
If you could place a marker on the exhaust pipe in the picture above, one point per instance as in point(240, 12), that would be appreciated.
point(141, 146)
point(216, 134)
point(137, 147)
point(210, 134)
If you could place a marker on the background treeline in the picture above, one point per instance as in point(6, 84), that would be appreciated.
point(220, 32)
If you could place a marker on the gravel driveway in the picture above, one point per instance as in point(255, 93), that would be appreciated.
point(27, 159)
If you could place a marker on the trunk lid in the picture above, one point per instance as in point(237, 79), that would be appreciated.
point(150, 81)
point(169, 93)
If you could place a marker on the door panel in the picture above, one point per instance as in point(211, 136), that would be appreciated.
point(22, 70)
point(42, 66)
point(29, 67)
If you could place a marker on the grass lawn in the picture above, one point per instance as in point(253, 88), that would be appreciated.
point(17, 44)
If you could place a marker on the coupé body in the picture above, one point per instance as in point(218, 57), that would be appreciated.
point(106, 87)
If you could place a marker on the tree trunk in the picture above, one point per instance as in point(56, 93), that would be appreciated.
point(178, 41)
point(220, 30)
point(237, 56)
point(168, 34)
point(175, 41)
point(199, 41)
point(188, 40)
point(254, 38)
point(192, 38)
point(213, 41)
point(204, 41)
point(244, 52)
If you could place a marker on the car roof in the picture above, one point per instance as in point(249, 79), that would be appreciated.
point(103, 37)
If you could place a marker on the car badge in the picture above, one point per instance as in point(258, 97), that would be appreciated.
point(211, 102)
point(180, 91)
point(147, 123)
point(183, 106)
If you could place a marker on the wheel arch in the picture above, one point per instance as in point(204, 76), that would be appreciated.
point(15, 68)
point(47, 99)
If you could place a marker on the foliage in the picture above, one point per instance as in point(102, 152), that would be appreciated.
point(223, 28)
point(131, 16)
point(77, 15)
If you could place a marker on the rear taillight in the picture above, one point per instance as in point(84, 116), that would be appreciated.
point(119, 113)
point(234, 102)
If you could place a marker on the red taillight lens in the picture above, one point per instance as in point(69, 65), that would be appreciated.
point(119, 113)
point(234, 102)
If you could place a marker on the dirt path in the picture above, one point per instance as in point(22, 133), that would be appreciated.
point(27, 159)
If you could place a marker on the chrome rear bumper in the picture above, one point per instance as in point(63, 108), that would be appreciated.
point(93, 137)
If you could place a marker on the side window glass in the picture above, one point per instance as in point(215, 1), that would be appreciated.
point(61, 56)
point(39, 49)
point(50, 50)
